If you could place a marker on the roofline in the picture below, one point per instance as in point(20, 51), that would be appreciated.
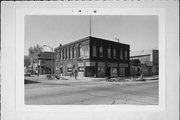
point(76, 41)
point(140, 55)
point(86, 38)
point(111, 41)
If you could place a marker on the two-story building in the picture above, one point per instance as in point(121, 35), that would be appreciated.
point(46, 63)
point(93, 57)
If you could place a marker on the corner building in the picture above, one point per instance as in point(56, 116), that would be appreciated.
point(93, 57)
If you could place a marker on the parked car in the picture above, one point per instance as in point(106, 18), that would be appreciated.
point(27, 72)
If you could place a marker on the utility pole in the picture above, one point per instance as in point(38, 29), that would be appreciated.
point(90, 25)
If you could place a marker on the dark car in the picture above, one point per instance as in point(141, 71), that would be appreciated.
point(28, 73)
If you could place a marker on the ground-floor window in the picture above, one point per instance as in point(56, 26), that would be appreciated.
point(81, 69)
point(114, 71)
point(90, 72)
point(69, 69)
point(121, 71)
point(101, 71)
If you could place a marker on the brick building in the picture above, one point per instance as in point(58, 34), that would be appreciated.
point(46, 63)
point(93, 57)
point(148, 61)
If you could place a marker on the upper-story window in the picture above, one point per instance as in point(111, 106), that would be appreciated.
point(100, 51)
point(80, 50)
point(109, 52)
point(66, 53)
point(126, 54)
point(94, 50)
point(74, 52)
point(59, 54)
point(114, 53)
point(85, 51)
point(70, 52)
point(121, 54)
point(63, 54)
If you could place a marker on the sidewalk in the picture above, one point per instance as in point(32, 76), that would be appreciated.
point(43, 78)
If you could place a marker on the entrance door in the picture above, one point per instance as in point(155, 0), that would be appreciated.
point(81, 72)
point(89, 72)
point(108, 71)
point(121, 71)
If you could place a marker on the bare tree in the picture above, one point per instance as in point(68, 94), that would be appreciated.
point(33, 53)
point(27, 61)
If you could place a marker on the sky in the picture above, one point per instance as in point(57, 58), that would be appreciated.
point(140, 32)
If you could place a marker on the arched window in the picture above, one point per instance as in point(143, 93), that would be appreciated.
point(80, 50)
point(94, 50)
point(59, 54)
point(74, 52)
point(109, 52)
point(100, 51)
point(70, 52)
point(114, 52)
point(56, 56)
point(63, 54)
point(121, 54)
point(126, 54)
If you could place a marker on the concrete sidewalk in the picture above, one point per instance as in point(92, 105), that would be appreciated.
point(43, 78)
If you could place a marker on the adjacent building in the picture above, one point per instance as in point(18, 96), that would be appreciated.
point(46, 63)
point(146, 61)
point(93, 57)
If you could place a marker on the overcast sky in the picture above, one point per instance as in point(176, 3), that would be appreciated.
point(141, 32)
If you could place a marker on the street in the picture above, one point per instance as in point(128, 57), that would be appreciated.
point(82, 92)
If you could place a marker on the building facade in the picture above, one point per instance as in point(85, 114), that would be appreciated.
point(148, 62)
point(46, 63)
point(93, 57)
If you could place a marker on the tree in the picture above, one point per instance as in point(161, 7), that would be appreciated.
point(33, 53)
point(27, 61)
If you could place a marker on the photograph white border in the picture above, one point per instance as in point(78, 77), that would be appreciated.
point(19, 82)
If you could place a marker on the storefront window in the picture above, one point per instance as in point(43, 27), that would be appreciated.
point(69, 69)
point(114, 71)
point(81, 69)
point(67, 53)
point(121, 71)
point(101, 71)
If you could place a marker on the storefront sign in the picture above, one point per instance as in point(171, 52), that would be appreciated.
point(112, 64)
point(80, 65)
point(89, 63)
point(69, 65)
point(101, 64)
point(123, 65)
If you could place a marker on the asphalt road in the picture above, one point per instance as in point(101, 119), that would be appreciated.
point(91, 93)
